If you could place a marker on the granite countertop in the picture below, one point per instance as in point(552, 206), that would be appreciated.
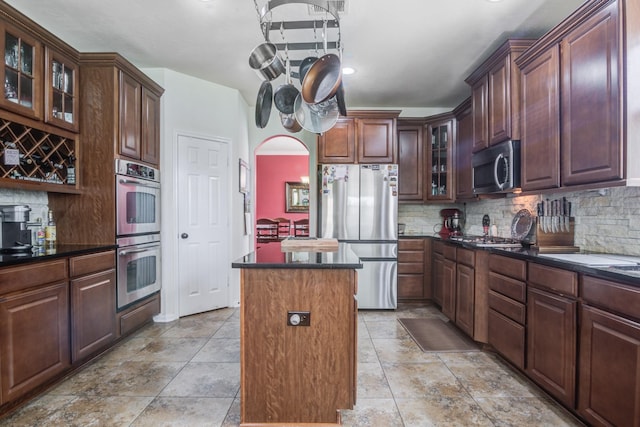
point(43, 254)
point(270, 255)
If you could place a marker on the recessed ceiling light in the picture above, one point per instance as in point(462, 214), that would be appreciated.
point(348, 70)
point(494, 1)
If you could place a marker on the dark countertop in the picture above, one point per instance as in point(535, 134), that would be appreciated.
point(60, 251)
point(533, 254)
point(270, 255)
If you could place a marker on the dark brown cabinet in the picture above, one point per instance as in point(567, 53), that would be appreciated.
point(411, 160)
point(414, 278)
point(440, 158)
point(448, 281)
point(34, 326)
point(465, 293)
point(93, 303)
point(363, 137)
point(540, 146)
point(464, 149)
point(436, 266)
point(591, 117)
point(139, 120)
point(507, 299)
point(495, 96)
point(552, 343)
point(61, 90)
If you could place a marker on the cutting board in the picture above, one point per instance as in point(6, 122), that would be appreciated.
point(309, 244)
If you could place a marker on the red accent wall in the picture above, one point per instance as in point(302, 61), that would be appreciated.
point(271, 174)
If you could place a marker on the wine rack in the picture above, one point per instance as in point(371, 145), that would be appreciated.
point(30, 154)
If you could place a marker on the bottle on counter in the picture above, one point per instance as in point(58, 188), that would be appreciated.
point(40, 234)
point(50, 230)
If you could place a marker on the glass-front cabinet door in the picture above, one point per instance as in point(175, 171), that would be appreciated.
point(21, 72)
point(61, 99)
point(440, 161)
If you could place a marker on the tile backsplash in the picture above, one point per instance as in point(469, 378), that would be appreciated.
point(38, 201)
point(606, 220)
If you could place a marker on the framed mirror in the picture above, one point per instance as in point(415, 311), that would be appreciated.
point(297, 197)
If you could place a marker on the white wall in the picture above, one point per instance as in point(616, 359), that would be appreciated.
point(196, 107)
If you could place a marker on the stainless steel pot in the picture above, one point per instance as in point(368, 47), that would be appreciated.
point(264, 59)
point(322, 80)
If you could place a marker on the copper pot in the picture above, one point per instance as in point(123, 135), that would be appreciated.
point(322, 80)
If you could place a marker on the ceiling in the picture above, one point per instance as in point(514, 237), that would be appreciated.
point(407, 53)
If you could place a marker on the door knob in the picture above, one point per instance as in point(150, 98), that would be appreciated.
point(184, 235)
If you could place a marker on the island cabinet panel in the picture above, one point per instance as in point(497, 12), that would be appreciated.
point(34, 338)
point(552, 343)
point(540, 146)
point(591, 116)
point(301, 374)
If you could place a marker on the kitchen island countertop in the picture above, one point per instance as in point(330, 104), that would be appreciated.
point(270, 255)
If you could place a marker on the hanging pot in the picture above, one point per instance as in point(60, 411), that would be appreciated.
point(316, 118)
point(322, 80)
point(264, 59)
point(263, 104)
point(305, 64)
point(342, 106)
point(290, 123)
point(285, 95)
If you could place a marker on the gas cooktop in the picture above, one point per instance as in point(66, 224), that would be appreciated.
point(487, 241)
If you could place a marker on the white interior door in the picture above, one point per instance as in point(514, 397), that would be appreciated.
point(202, 225)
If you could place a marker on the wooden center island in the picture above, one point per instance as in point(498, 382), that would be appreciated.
point(298, 319)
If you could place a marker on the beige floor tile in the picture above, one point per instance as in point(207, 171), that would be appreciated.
point(421, 380)
point(387, 329)
point(230, 329)
point(184, 412)
point(193, 327)
point(126, 379)
point(219, 350)
point(38, 412)
point(453, 411)
point(526, 411)
point(372, 413)
point(153, 330)
point(233, 416)
point(170, 349)
point(125, 350)
point(366, 351)
point(205, 380)
point(372, 383)
point(400, 351)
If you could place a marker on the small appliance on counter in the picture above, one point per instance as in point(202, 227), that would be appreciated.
point(14, 234)
point(451, 223)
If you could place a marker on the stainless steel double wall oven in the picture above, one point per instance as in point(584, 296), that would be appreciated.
point(137, 231)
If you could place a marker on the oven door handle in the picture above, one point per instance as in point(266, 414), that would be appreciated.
point(139, 183)
point(135, 251)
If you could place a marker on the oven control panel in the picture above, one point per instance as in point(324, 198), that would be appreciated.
point(137, 170)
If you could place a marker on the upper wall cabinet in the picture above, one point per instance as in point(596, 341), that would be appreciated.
point(495, 96)
point(22, 72)
point(440, 158)
point(578, 117)
point(411, 160)
point(61, 90)
point(361, 137)
point(464, 147)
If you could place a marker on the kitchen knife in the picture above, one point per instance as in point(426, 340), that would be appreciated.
point(554, 217)
point(565, 214)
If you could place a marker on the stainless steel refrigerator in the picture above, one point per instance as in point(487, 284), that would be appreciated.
point(358, 204)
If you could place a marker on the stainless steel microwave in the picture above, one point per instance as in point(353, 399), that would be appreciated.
point(497, 169)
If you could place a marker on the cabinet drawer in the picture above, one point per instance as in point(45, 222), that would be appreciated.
point(555, 279)
point(410, 245)
point(466, 257)
point(507, 286)
point(508, 266)
point(32, 274)
point(405, 256)
point(410, 286)
point(137, 317)
point(510, 308)
point(507, 337)
point(449, 252)
point(91, 263)
point(410, 268)
point(613, 296)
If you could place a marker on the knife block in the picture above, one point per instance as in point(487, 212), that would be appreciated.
point(560, 241)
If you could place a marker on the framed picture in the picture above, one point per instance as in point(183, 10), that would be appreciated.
point(297, 197)
point(244, 172)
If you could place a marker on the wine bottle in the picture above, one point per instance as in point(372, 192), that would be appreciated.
point(50, 232)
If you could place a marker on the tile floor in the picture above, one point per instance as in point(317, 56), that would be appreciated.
point(187, 373)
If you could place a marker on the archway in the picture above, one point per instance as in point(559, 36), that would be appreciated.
point(281, 174)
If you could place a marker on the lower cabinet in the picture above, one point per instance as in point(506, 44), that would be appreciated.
point(34, 338)
point(465, 298)
point(93, 303)
point(414, 278)
point(449, 288)
point(436, 266)
point(551, 343)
